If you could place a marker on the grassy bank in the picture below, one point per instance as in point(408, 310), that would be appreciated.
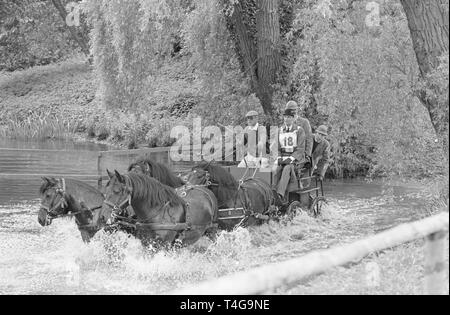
point(52, 101)
point(59, 101)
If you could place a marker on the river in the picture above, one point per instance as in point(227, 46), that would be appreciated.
point(53, 259)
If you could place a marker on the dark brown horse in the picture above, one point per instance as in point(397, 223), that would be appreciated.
point(163, 213)
point(253, 195)
point(159, 171)
point(71, 197)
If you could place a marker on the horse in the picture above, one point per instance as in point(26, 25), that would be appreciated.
point(252, 195)
point(71, 197)
point(163, 213)
point(160, 172)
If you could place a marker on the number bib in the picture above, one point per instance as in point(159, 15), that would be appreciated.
point(288, 141)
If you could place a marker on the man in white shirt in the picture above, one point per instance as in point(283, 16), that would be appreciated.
point(255, 138)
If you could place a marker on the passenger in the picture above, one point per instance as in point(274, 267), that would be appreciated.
point(291, 154)
point(321, 152)
point(254, 144)
point(304, 123)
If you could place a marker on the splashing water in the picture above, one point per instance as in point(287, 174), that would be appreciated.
point(53, 259)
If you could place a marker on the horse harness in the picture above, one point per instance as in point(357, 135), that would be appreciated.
point(121, 219)
point(63, 203)
point(246, 209)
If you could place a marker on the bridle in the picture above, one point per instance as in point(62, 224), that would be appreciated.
point(206, 180)
point(118, 209)
point(61, 204)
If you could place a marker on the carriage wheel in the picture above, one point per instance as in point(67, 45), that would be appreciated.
point(293, 209)
point(316, 206)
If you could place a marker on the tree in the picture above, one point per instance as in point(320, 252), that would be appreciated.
point(256, 29)
point(82, 42)
point(428, 25)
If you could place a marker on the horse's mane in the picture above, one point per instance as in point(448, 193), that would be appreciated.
point(145, 187)
point(227, 185)
point(159, 171)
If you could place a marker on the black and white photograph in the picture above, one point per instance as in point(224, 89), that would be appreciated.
point(224, 153)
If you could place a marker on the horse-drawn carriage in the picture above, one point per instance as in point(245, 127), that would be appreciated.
point(170, 207)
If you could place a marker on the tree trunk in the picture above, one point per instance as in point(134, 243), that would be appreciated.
point(73, 31)
point(268, 47)
point(428, 24)
point(258, 47)
point(245, 45)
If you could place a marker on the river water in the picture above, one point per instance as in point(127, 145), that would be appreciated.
point(53, 259)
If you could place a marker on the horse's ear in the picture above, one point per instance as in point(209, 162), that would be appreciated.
point(119, 177)
point(45, 179)
point(147, 167)
point(110, 175)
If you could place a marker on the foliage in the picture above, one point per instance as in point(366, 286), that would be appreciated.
point(45, 100)
point(359, 81)
point(224, 87)
point(32, 33)
point(129, 39)
point(160, 63)
point(40, 127)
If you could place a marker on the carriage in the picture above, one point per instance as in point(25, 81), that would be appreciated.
point(309, 199)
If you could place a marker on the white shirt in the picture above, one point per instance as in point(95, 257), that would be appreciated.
point(254, 128)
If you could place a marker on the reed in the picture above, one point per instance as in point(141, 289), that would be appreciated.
point(40, 127)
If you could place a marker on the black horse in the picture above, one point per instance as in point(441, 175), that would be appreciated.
point(147, 166)
point(71, 197)
point(163, 213)
point(254, 196)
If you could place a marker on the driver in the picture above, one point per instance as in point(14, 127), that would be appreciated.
point(291, 153)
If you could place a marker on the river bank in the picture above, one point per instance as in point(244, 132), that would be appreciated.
point(61, 101)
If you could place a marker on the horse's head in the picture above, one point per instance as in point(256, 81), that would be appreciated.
point(197, 176)
point(141, 167)
point(117, 196)
point(54, 200)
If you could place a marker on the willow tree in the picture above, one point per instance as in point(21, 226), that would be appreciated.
point(79, 37)
point(128, 40)
point(428, 24)
point(255, 26)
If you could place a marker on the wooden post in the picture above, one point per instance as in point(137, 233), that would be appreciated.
point(169, 161)
point(99, 170)
point(435, 268)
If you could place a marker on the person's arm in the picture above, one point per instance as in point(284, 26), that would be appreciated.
point(299, 152)
point(262, 139)
point(325, 162)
